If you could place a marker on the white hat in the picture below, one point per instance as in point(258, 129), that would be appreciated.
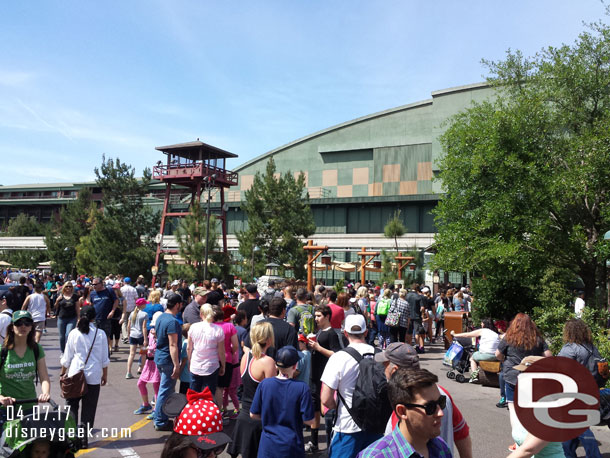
point(355, 321)
point(176, 283)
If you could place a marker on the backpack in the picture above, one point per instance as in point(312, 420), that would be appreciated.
point(598, 366)
point(371, 407)
point(383, 306)
point(36, 350)
point(307, 323)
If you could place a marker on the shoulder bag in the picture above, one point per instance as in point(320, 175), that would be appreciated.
point(76, 386)
point(393, 315)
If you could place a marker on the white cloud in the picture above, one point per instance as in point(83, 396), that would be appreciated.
point(15, 78)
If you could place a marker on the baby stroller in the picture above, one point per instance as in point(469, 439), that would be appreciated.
point(461, 362)
point(24, 430)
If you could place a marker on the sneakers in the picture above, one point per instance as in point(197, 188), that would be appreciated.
point(474, 377)
point(151, 416)
point(310, 447)
point(142, 409)
point(502, 403)
point(128, 375)
point(165, 427)
point(233, 415)
point(420, 350)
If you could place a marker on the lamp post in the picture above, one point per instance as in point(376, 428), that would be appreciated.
point(364, 255)
point(254, 249)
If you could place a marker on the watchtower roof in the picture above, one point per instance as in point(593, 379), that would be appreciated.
point(195, 151)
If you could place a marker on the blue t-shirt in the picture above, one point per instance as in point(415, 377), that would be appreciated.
point(166, 324)
point(151, 309)
point(102, 302)
point(304, 366)
point(284, 404)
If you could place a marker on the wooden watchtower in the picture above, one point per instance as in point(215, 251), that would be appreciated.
point(193, 167)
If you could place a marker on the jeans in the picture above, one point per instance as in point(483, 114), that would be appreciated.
point(199, 382)
point(372, 334)
point(166, 388)
point(502, 384)
point(587, 440)
point(64, 326)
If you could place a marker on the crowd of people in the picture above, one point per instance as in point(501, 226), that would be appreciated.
point(271, 362)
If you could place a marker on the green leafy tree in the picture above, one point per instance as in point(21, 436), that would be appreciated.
point(388, 272)
point(191, 237)
point(527, 177)
point(121, 238)
point(279, 217)
point(395, 228)
point(65, 234)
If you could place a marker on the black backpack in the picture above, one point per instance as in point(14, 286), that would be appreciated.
point(371, 407)
point(598, 367)
point(4, 356)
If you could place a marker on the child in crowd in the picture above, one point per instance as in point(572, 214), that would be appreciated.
point(137, 335)
point(304, 365)
point(41, 448)
point(283, 405)
point(150, 373)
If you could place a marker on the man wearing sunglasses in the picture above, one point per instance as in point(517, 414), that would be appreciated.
point(454, 429)
point(416, 401)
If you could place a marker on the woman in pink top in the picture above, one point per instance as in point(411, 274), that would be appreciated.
point(206, 351)
point(231, 348)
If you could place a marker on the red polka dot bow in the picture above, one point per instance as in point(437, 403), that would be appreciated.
point(200, 416)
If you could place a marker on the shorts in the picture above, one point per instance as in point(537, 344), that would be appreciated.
point(224, 381)
point(478, 356)
point(415, 327)
point(39, 326)
point(136, 340)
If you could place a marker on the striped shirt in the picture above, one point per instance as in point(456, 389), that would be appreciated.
point(396, 446)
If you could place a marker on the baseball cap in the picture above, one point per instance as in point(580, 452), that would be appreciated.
point(355, 321)
point(287, 356)
point(201, 421)
point(4, 294)
point(302, 338)
point(19, 314)
point(527, 362)
point(200, 291)
point(176, 283)
point(173, 299)
point(401, 354)
point(141, 301)
point(127, 280)
point(214, 280)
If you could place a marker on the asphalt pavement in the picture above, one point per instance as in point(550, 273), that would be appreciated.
point(120, 433)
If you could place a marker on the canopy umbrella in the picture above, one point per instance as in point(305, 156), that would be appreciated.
point(5, 264)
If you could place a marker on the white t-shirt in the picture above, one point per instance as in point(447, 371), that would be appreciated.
point(205, 337)
point(489, 341)
point(579, 305)
point(37, 306)
point(131, 296)
point(5, 320)
point(341, 373)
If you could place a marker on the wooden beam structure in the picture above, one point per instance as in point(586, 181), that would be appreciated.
point(313, 253)
point(367, 256)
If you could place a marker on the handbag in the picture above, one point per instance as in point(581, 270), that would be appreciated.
point(393, 315)
point(75, 386)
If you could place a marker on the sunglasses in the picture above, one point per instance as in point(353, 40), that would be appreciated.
point(430, 407)
point(210, 453)
point(20, 323)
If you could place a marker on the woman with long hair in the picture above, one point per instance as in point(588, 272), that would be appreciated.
point(206, 351)
point(231, 348)
point(488, 344)
point(521, 339)
point(153, 306)
point(343, 302)
point(67, 310)
point(578, 345)
point(86, 340)
point(24, 364)
point(85, 298)
point(138, 337)
point(115, 321)
point(255, 367)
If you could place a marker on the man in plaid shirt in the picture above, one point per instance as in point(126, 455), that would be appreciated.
point(416, 401)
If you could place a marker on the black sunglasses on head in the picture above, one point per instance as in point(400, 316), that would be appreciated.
point(430, 407)
point(23, 322)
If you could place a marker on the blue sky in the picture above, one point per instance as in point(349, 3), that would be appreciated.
point(79, 79)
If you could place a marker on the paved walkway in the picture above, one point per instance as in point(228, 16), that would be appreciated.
point(489, 426)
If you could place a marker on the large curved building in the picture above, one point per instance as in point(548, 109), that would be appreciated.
point(357, 174)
